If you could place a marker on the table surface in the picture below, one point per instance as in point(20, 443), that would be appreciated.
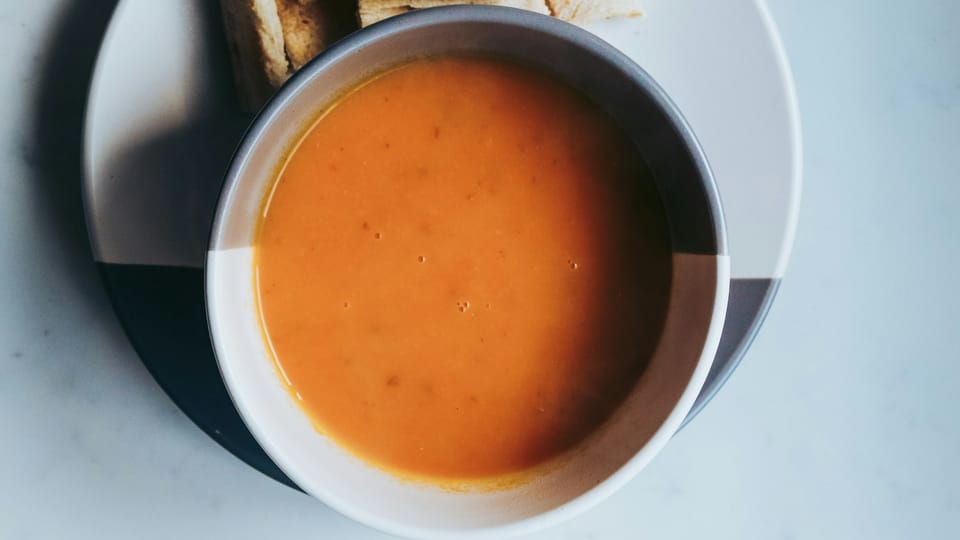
point(840, 423)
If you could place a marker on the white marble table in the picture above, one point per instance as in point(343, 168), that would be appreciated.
point(840, 423)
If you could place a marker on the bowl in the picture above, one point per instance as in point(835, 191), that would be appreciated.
point(653, 410)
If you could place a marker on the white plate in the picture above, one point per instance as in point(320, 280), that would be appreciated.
point(162, 122)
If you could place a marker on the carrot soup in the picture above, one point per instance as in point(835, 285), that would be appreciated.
point(462, 269)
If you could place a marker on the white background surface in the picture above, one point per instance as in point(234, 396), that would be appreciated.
point(840, 423)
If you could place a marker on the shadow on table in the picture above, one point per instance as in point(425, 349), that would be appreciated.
point(54, 149)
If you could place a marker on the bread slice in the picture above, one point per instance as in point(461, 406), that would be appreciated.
point(269, 40)
point(304, 34)
point(372, 11)
point(584, 11)
point(255, 40)
point(369, 13)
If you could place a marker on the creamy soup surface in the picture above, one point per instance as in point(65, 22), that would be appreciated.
point(462, 269)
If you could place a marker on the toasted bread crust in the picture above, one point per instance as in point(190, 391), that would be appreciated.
point(372, 11)
point(255, 41)
point(304, 34)
point(585, 11)
point(270, 39)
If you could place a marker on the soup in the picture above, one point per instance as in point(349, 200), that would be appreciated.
point(462, 269)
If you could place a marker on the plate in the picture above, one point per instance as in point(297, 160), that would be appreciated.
point(162, 123)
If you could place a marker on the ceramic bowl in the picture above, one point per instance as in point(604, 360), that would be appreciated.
point(651, 413)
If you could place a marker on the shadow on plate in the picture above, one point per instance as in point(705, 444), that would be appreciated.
point(161, 308)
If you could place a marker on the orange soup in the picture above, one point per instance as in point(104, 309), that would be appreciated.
point(462, 269)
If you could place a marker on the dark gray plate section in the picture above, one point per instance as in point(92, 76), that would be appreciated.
point(749, 302)
point(162, 311)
